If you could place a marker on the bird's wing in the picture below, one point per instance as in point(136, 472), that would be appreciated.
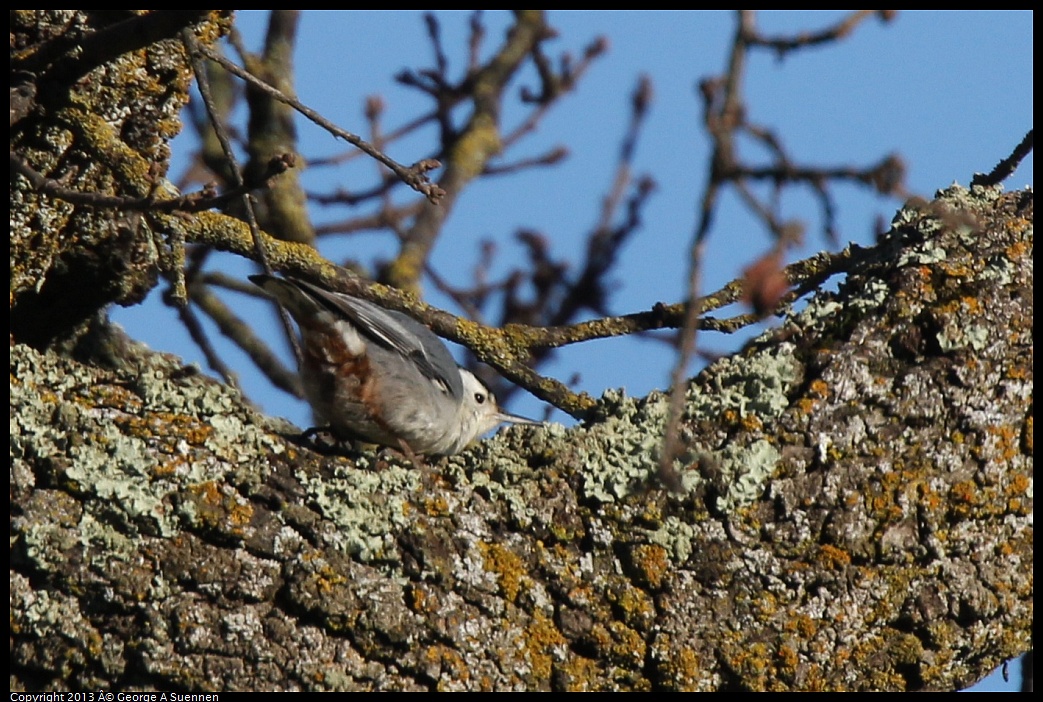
point(395, 331)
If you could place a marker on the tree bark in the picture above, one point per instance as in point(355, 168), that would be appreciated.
point(856, 510)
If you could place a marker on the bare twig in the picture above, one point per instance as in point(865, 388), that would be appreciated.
point(783, 45)
point(721, 125)
point(159, 200)
point(242, 334)
point(414, 176)
point(194, 50)
point(725, 117)
point(1008, 165)
point(469, 148)
point(199, 336)
point(553, 87)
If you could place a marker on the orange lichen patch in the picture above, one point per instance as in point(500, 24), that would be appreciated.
point(436, 507)
point(327, 580)
point(167, 424)
point(1020, 249)
point(753, 661)
point(881, 496)
point(818, 388)
point(507, 566)
point(217, 509)
point(764, 605)
point(807, 405)
point(1006, 443)
point(629, 647)
point(679, 666)
point(651, 564)
point(448, 662)
point(802, 625)
point(787, 660)
point(752, 422)
point(544, 644)
point(971, 305)
point(963, 496)
point(832, 557)
point(1017, 490)
point(1018, 485)
point(417, 600)
point(581, 674)
point(636, 606)
point(928, 497)
point(956, 269)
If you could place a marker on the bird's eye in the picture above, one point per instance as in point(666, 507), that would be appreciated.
point(479, 397)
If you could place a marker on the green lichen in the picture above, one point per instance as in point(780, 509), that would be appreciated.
point(746, 470)
point(955, 337)
point(127, 453)
point(368, 508)
point(620, 451)
point(754, 383)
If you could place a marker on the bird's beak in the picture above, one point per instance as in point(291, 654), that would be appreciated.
point(515, 419)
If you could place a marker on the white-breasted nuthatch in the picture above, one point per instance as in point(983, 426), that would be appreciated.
point(380, 376)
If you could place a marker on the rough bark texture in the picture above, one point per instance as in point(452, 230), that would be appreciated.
point(857, 514)
point(95, 99)
point(856, 511)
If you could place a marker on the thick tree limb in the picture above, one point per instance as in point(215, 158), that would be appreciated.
point(857, 513)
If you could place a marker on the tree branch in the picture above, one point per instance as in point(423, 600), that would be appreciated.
point(854, 513)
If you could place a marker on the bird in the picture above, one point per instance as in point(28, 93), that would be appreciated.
point(379, 376)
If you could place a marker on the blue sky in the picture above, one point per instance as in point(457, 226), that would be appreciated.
point(950, 92)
